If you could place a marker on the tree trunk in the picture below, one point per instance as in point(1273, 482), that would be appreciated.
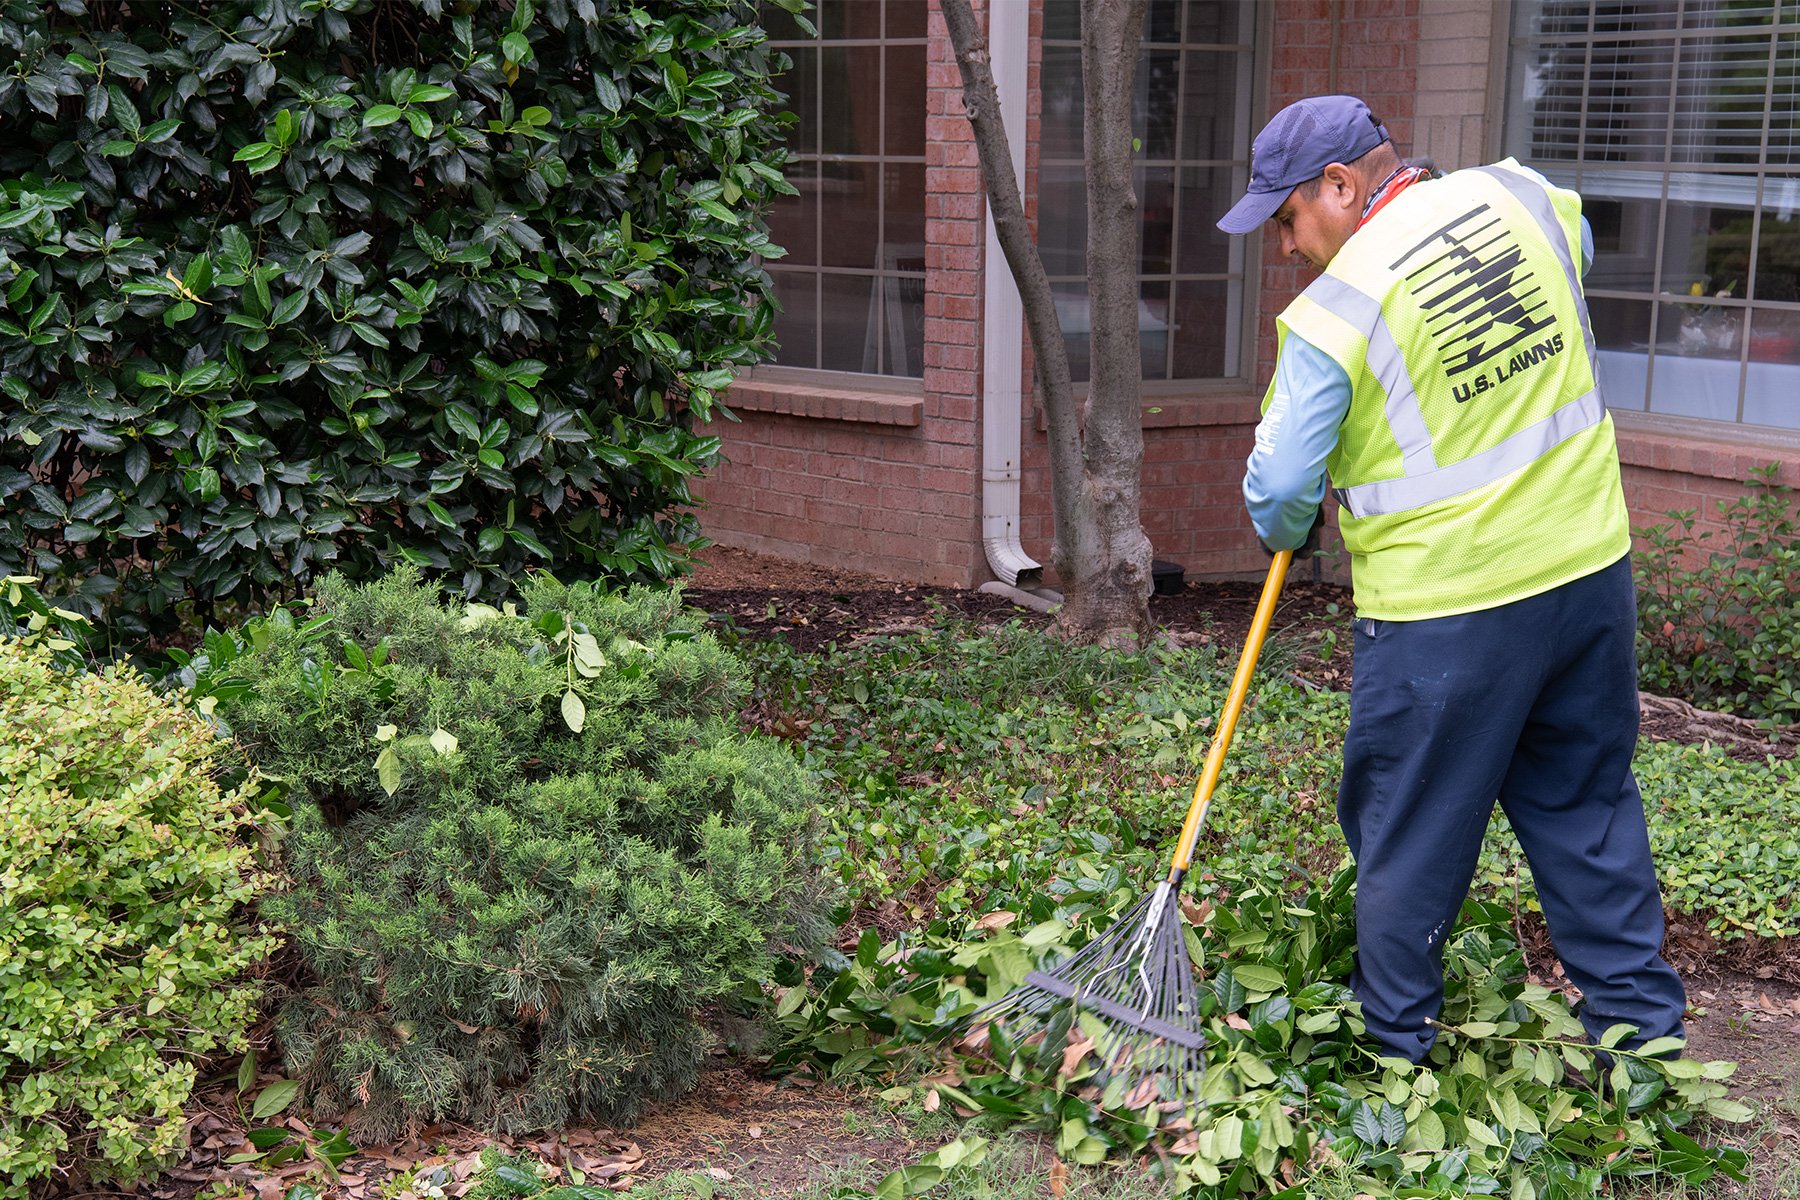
point(1100, 552)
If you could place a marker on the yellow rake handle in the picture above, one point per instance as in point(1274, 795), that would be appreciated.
point(1234, 704)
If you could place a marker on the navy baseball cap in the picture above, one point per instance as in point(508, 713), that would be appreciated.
point(1302, 140)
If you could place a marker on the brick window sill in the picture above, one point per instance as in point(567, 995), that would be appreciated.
point(1709, 449)
point(1175, 412)
point(827, 403)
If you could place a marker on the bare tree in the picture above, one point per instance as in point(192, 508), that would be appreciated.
point(1096, 458)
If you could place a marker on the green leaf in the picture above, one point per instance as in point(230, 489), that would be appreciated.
point(908, 1181)
point(519, 1179)
point(425, 93)
point(574, 712)
point(1259, 978)
point(1728, 1110)
point(381, 114)
point(117, 149)
point(444, 742)
point(1616, 1034)
point(274, 1099)
point(246, 1076)
point(387, 770)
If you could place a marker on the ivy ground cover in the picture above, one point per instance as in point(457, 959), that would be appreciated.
point(1005, 795)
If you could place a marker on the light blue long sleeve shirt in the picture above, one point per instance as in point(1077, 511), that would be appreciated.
point(1284, 479)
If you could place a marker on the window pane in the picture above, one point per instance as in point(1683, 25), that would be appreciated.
point(1206, 194)
point(1156, 219)
point(1784, 117)
point(906, 18)
point(905, 100)
point(1155, 106)
point(1624, 240)
point(1778, 244)
point(794, 220)
point(905, 228)
point(1062, 219)
point(849, 203)
point(801, 83)
point(1696, 369)
point(1164, 21)
point(851, 334)
point(851, 119)
point(1218, 22)
point(1062, 103)
point(796, 326)
point(1209, 106)
point(1062, 20)
point(778, 23)
point(1719, 100)
point(1706, 250)
point(1628, 101)
point(1153, 329)
point(1772, 386)
point(1622, 341)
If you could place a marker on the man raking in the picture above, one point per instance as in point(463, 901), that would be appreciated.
point(1441, 371)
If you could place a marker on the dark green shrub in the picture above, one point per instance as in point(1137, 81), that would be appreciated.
point(516, 923)
point(1720, 625)
point(290, 286)
point(122, 871)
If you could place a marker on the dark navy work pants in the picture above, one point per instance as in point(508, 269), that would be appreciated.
point(1533, 703)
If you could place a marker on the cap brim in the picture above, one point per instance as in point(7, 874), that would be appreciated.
point(1248, 214)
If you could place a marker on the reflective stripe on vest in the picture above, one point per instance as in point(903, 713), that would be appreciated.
point(1424, 481)
point(1363, 313)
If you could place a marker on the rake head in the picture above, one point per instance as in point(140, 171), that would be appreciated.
point(1137, 979)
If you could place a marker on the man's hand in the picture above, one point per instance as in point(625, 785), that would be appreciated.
point(1311, 543)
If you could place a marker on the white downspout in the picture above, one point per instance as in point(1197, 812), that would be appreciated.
point(1003, 321)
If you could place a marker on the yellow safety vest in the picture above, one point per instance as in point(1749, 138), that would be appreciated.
point(1477, 464)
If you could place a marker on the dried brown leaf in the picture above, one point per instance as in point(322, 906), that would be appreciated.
point(1059, 1177)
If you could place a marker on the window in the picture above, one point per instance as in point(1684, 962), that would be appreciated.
point(1192, 118)
point(1678, 121)
point(852, 287)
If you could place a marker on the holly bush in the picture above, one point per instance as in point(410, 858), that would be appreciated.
point(295, 284)
point(123, 869)
point(528, 848)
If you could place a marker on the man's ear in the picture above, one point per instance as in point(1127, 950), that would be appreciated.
point(1342, 181)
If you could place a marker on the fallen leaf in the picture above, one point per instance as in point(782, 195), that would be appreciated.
point(932, 1101)
point(1196, 914)
point(1074, 1053)
point(1237, 1022)
point(998, 919)
point(755, 1131)
point(1187, 1143)
point(718, 1173)
point(976, 1038)
point(1059, 1177)
point(466, 1167)
point(730, 1101)
point(465, 1028)
point(1143, 1094)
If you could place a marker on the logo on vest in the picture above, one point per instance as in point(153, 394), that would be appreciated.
point(1480, 299)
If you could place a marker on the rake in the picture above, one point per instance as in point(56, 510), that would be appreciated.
point(1136, 977)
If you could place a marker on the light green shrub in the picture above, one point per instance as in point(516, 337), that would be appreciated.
point(122, 874)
